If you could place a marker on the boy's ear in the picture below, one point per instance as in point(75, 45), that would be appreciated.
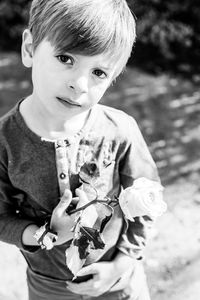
point(27, 48)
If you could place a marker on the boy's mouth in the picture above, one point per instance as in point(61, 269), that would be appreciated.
point(68, 101)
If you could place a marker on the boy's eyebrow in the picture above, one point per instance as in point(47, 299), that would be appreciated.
point(108, 67)
point(105, 68)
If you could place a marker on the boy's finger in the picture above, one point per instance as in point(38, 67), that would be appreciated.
point(82, 197)
point(64, 202)
point(90, 269)
point(75, 200)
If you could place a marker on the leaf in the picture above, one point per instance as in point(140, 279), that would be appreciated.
point(89, 172)
point(105, 213)
point(104, 222)
point(83, 244)
point(87, 231)
point(73, 261)
point(94, 236)
point(88, 238)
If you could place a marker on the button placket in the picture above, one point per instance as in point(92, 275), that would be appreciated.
point(80, 159)
point(62, 164)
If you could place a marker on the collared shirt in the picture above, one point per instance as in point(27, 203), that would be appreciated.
point(34, 173)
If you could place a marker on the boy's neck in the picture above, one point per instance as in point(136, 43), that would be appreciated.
point(48, 126)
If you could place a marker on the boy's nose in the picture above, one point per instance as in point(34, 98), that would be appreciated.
point(79, 84)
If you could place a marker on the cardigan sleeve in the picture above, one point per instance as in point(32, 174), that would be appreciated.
point(11, 224)
point(137, 162)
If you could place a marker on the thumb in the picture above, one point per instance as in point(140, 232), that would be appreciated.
point(83, 199)
point(64, 201)
point(90, 269)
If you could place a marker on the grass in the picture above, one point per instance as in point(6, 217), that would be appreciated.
point(167, 110)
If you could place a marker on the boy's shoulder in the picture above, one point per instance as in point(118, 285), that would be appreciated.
point(118, 119)
point(7, 121)
point(113, 113)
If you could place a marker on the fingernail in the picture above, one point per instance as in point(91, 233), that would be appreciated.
point(67, 192)
point(77, 191)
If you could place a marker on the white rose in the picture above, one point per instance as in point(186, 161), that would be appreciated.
point(144, 197)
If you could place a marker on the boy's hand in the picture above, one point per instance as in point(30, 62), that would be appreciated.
point(110, 276)
point(104, 277)
point(61, 222)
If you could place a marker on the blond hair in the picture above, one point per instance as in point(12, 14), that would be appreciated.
point(87, 27)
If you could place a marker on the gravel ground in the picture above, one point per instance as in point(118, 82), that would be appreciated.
point(173, 258)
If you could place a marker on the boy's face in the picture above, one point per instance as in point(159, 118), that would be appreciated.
point(66, 84)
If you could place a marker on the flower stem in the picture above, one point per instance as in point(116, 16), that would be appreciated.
point(108, 202)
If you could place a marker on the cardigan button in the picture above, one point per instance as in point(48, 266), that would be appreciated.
point(62, 176)
point(60, 143)
point(67, 143)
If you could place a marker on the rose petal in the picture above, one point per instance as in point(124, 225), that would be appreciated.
point(144, 197)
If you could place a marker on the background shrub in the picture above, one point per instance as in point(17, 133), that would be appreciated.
point(168, 32)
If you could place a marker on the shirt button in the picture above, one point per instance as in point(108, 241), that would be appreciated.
point(60, 143)
point(62, 176)
point(66, 142)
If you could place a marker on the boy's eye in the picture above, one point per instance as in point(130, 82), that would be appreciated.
point(100, 73)
point(65, 59)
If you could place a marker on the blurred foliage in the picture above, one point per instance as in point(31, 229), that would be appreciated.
point(168, 32)
point(13, 19)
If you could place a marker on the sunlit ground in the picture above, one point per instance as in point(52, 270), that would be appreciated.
point(167, 109)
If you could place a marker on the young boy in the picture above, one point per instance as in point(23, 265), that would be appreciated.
point(76, 48)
